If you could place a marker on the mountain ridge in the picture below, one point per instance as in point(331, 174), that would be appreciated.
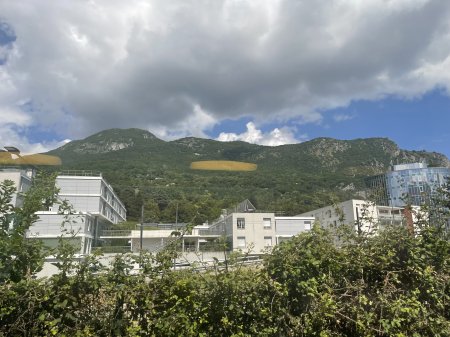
point(292, 178)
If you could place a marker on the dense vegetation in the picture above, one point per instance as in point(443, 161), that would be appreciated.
point(291, 179)
point(396, 283)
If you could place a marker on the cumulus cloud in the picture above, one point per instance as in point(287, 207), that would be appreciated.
point(278, 136)
point(341, 117)
point(178, 67)
point(10, 137)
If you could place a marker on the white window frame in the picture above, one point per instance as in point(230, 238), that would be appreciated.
point(307, 224)
point(266, 241)
point(265, 223)
point(240, 240)
point(240, 223)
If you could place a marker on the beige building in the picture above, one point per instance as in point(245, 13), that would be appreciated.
point(247, 229)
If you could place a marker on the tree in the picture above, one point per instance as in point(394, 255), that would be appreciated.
point(392, 283)
point(21, 257)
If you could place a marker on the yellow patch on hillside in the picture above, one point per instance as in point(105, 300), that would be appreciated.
point(7, 158)
point(223, 165)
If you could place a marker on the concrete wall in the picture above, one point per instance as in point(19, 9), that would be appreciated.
point(49, 224)
point(48, 228)
point(91, 194)
point(22, 182)
point(255, 236)
point(290, 226)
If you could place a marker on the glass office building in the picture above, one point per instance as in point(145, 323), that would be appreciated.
point(413, 184)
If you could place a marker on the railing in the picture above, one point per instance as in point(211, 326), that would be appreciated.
point(113, 249)
point(115, 232)
point(81, 173)
point(212, 232)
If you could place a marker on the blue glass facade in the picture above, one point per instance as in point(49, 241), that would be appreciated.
point(413, 184)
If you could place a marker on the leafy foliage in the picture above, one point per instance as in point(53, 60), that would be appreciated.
point(391, 284)
point(21, 258)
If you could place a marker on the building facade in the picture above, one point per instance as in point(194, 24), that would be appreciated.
point(78, 229)
point(244, 228)
point(94, 206)
point(89, 192)
point(413, 184)
point(363, 215)
point(287, 227)
point(240, 228)
point(21, 179)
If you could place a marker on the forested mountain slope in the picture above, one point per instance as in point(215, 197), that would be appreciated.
point(290, 178)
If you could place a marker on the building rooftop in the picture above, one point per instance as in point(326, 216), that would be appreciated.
point(412, 166)
point(80, 173)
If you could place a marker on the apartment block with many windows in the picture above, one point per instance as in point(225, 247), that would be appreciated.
point(94, 204)
point(363, 215)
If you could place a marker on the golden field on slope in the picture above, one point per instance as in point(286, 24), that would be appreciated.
point(223, 165)
point(7, 158)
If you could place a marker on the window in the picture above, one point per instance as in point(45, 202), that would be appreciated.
point(267, 241)
point(240, 223)
point(241, 241)
point(267, 222)
point(307, 225)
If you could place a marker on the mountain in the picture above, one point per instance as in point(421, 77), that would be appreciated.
point(290, 178)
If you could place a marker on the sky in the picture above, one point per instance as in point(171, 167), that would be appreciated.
point(269, 72)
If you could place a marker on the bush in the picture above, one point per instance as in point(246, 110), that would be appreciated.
point(392, 284)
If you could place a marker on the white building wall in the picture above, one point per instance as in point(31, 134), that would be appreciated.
point(50, 226)
point(91, 194)
point(354, 212)
point(287, 227)
point(154, 240)
point(255, 234)
point(22, 183)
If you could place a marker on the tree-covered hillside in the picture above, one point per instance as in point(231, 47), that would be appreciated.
point(289, 178)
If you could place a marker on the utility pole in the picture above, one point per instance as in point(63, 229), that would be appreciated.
point(142, 227)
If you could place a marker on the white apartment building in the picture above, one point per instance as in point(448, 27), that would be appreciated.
point(364, 215)
point(95, 206)
point(89, 192)
point(22, 181)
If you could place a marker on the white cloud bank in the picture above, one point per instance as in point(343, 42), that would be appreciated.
point(179, 67)
point(278, 136)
